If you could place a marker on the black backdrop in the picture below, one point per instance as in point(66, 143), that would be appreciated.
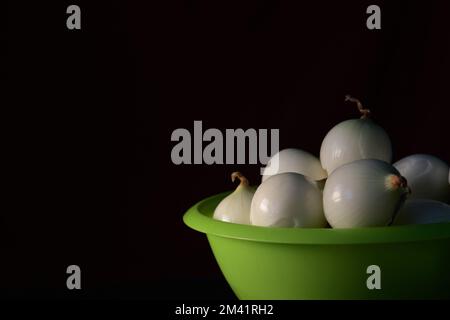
point(92, 111)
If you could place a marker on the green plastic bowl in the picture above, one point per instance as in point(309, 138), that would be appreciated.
point(296, 263)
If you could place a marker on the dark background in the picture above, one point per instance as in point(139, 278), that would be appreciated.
point(90, 114)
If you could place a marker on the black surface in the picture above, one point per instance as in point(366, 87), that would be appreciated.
point(91, 113)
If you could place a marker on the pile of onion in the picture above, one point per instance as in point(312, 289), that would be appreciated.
point(235, 207)
point(355, 139)
point(364, 193)
point(352, 185)
point(287, 200)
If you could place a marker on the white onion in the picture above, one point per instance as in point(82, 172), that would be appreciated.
point(235, 207)
point(353, 140)
point(363, 193)
point(426, 176)
point(287, 200)
point(423, 211)
point(295, 160)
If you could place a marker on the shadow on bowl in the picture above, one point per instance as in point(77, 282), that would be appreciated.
point(299, 263)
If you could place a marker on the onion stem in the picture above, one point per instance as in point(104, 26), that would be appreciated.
point(364, 112)
point(243, 180)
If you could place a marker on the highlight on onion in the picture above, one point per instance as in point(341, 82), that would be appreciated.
point(363, 193)
point(235, 207)
point(426, 175)
point(355, 139)
point(423, 211)
point(287, 200)
point(297, 161)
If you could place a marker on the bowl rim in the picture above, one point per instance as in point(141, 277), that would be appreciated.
point(199, 218)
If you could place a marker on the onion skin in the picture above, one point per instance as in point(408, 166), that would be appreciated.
point(426, 175)
point(298, 161)
point(353, 140)
point(363, 193)
point(287, 200)
point(423, 211)
point(235, 208)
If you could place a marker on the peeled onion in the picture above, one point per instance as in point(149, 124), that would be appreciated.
point(426, 176)
point(295, 160)
point(235, 207)
point(287, 200)
point(423, 211)
point(353, 140)
point(363, 193)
